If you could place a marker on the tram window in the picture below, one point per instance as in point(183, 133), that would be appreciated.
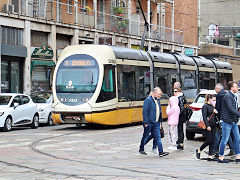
point(206, 80)
point(165, 78)
point(224, 78)
point(108, 90)
point(189, 87)
point(133, 83)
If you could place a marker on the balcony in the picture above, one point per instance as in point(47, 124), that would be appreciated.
point(112, 20)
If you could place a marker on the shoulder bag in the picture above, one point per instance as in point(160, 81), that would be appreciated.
point(202, 124)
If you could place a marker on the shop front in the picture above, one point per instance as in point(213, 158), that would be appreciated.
point(42, 65)
point(12, 60)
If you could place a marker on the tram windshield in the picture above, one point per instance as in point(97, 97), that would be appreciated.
point(77, 75)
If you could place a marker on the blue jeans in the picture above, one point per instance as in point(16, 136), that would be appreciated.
point(218, 138)
point(226, 130)
point(154, 130)
point(149, 138)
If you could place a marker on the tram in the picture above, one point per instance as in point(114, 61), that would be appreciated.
point(107, 85)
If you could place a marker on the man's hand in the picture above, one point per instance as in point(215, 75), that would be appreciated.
point(215, 111)
point(146, 125)
point(209, 128)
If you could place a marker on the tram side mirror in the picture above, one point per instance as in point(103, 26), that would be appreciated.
point(15, 105)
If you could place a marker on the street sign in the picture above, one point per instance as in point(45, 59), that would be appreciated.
point(189, 51)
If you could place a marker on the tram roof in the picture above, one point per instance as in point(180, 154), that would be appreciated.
point(162, 57)
point(135, 54)
point(203, 62)
point(127, 53)
point(222, 64)
point(184, 60)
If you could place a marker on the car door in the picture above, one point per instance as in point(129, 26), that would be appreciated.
point(28, 108)
point(17, 112)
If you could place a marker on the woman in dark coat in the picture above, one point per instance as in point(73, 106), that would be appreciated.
point(208, 114)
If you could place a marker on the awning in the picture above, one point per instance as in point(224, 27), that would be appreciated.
point(41, 63)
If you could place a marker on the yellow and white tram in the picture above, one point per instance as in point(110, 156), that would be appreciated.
point(107, 85)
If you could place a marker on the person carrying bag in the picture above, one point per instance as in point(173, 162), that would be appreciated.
point(208, 125)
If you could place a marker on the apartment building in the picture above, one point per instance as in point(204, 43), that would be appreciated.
point(219, 32)
point(34, 32)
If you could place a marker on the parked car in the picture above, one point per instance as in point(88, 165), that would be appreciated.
point(196, 106)
point(16, 110)
point(44, 104)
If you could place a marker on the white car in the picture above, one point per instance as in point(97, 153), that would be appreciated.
point(44, 104)
point(16, 110)
point(196, 106)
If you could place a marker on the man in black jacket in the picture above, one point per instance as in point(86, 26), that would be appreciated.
point(230, 117)
point(220, 95)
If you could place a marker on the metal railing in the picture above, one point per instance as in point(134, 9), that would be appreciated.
point(75, 14)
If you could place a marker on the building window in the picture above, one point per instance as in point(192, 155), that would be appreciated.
point(69, 6)
point(12, 36)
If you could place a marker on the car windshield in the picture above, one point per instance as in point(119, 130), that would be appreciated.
point(200, 98)
point(41, 98)
point(4, 100)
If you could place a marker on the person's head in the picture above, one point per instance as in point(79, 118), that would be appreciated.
point(176, 91)
point(69, 83)
point(173, 101)
point(232, 85)
point(157, 92)
point(210, 99)
point(177, 85)
point(218, 87)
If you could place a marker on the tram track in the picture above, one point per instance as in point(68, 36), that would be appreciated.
point(33, 147)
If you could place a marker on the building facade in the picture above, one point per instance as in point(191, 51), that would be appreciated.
point(34, 32)
point(219, 32)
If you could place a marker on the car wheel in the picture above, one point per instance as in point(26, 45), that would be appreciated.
point(50, 120)
point(190, 135)
point(35, 122)
point(8, 124)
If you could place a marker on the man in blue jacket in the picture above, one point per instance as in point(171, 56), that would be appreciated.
point(152, 117)
point(230, 117)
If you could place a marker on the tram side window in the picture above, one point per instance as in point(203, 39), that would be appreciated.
point(108, 90)
point(189, 86)
point(206, 80)
point(133, 83)
point(165, 78)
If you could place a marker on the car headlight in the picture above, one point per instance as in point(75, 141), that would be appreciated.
point(41, 109)
point(1, 113)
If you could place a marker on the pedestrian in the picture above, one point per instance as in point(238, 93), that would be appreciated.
point(182, 117)
point(208, 115)
point(173, 112)
point(177, 85)
point(219, 100)
point(230, 116)
point(152, 117)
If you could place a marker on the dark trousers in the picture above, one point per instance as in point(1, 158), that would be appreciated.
point(180, 129)
point(210, 136)
point(154, 130)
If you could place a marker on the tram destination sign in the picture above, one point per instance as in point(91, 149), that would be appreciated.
point(79, 63)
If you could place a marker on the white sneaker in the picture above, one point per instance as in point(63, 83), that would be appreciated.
point(172, 147)
point(155, 151)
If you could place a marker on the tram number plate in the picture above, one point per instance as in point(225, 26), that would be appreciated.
point(77, 118)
